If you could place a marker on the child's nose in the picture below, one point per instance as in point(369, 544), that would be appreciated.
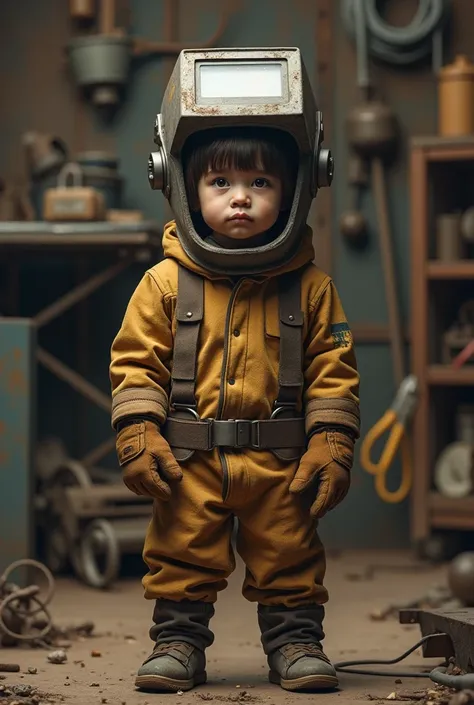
point(240, 197)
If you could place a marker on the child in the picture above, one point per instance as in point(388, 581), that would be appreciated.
point(240, 186)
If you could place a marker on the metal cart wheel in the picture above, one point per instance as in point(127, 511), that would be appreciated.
point(438, 547)
point(57, 552)
point(96, 557)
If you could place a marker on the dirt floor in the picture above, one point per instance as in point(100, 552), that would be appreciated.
point(101, 668)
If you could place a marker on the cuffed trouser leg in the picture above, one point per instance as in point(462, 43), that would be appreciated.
point(281, 625)
point(183, 621)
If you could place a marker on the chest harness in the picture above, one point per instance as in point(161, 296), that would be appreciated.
point(284, 432)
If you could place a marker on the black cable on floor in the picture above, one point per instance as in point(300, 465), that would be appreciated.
point(343, 666)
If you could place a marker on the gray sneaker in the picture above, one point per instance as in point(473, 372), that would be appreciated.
point(172, 667)
point(302, 667)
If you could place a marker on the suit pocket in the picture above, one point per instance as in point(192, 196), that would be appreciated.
point(130, 443)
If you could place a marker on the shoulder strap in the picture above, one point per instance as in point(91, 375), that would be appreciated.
point(290, 375)
point(189, 314)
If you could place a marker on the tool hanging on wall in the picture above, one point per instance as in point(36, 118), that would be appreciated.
point(372, 133)
point(101, 62)
point(372, 125)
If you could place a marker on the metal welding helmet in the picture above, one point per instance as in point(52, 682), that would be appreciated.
point(227, 88)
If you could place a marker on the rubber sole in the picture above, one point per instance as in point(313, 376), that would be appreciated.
point(170, 685)
point(313, 682)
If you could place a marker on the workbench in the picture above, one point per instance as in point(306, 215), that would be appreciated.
point(121, 245)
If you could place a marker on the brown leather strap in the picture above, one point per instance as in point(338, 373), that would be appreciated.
point(290, 376)
point(235, 433)
point(189, 315)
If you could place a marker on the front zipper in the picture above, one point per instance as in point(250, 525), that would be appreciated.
point(220, 406)
point(225, 474)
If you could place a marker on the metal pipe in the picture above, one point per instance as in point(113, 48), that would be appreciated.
point(75, 380)
point(78, 293)
point(386, 247)
point(107, 17)
point(98, 453)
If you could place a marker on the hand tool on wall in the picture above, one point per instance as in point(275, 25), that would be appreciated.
point(101, 62)
point(393, 45)
point(372, 133)
point(395, 420)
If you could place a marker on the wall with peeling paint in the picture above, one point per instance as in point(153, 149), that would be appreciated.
point(36, 92)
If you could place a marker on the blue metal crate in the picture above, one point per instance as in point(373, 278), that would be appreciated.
point(17, 439)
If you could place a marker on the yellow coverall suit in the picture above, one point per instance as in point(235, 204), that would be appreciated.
point(188, 545)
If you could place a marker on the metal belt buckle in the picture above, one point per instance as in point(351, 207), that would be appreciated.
point(232, 433)
point(243, 433)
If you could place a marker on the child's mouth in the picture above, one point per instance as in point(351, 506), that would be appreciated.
point(240, 216)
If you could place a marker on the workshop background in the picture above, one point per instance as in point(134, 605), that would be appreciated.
point(43, 106)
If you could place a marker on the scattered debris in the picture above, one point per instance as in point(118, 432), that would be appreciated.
point(429, 696)
point(94, 685)
point(368, 573)
point(19, 604)
point(438, 596)
point(64, 636)
point(28, 695)
point(465, 697)
point(242, 697)
point(24, 613)
point(32, 671)
point(59, 656)
point(9, 667)
point(23, 690)
point(95, 653)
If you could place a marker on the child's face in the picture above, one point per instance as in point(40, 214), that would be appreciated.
point(239, 204)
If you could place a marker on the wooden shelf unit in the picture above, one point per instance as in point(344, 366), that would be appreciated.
point(450, 270)
point(433, 163)
point(447, 513)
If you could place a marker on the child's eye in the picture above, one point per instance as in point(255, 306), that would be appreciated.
point(261, 182)
point(220, 182)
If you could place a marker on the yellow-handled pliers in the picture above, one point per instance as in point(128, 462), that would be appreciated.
point(395, 418)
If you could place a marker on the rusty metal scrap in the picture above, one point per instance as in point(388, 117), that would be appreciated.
point(24, 615)
point(20, 607)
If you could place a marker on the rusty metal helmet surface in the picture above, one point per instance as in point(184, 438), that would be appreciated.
point(226, 89)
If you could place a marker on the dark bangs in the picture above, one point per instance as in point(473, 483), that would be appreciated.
point(244, 149)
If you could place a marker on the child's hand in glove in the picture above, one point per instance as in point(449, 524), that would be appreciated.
point(146, 460)
point(326, 464)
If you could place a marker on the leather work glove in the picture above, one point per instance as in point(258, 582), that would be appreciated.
point(327, 462)
point(146, 460)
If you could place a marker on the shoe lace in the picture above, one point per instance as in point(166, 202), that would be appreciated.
point(169, 646)
point(299, 650)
